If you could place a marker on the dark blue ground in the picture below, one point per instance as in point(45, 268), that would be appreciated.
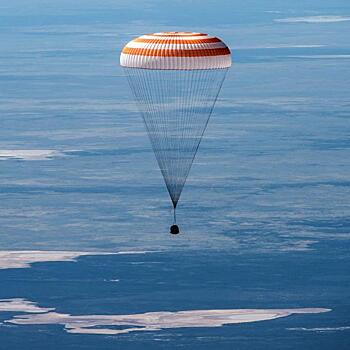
point(188, 281)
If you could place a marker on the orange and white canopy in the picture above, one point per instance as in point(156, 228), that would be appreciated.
point(176, 50)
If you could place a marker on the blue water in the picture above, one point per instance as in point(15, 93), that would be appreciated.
point(264, 214)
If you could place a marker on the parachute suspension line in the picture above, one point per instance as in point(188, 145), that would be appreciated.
point(142, 94)
point(195, 115)
point(175, 106)
point(210, 105)
point(174, 209)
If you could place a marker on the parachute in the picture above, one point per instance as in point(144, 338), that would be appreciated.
point(175, 78)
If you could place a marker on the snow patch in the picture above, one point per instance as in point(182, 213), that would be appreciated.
point(314, 19)
point(17, 259)
point(149, 321)
point(29, 154)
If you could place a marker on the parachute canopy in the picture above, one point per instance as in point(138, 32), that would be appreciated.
point(175, 78)
point(176, 50)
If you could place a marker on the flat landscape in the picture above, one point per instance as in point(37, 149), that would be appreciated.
point(262, 260)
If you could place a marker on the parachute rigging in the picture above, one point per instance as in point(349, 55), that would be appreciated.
point(175, 79)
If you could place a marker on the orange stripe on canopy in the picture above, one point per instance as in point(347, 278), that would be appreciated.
point(174, 40)
point(177, 34)
point(176, 53)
